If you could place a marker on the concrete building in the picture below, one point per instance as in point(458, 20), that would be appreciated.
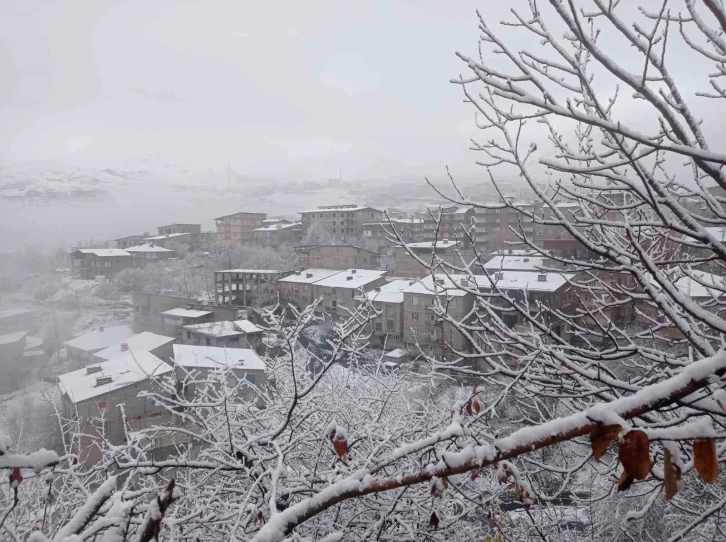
point(179, 228)
point(236, 229)
point(279, 233)
point(89, 263)
point(81, 349)
point(171, 240)
point(237, 334)
point(339, 291)
point(92, 396)
point(411, 230)
point(297, 288)
point(159, 345)
point(406, 265)
point(149, 253)
point(128, 241)
point(453, 221)
point(335, 257)
point(176, 320)
point(388, 300)
point(494, 226)
point(244, 287)
point(344, 223)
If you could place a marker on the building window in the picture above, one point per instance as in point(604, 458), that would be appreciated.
point(415, 300)
point(414, 316)
point(102, 405)
point(389, 324)
point(378, 326)
point(250, 379)
point(207, 341)
point(189, 335)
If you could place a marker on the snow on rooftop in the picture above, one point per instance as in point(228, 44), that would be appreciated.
point(391, 292)
point(279, 226)
point(443, 286)
point(215, 329)
point(143, 341)
point(397, 353)
point(445, 243)
point(718, 232)
point(251, 271)
point(167, 236)
point(309, 276)
point(11, 312)
point(246, 326)
point(11, 338)
point(186, 313)
point(351, 278)
point(129, 368)
point(104, 252)
point(344, 208)
point(208, 357)
point(515, 263)
point(692, 287)
point(532, 281)
point(148, 247)
point(101, 338)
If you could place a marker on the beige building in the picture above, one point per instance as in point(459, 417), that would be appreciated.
point(278, 233)
point(297, 288)
point(344, 223)
point(179, 228)
point(340, 290)
point(89, 263)
point(335, 257)
point(237, 228)
point(81, 348)
point(104, 400)
point(388, 300)
point(237, 334)
point(407, 266)
point(149, 253)
point(159, 345)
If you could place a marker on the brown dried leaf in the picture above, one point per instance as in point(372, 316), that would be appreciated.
point(625, 481)
point(476, 405)
point(474, 475)
point(601, 437)
point(634, 454)
point(15, 477)
point(434, 521)
point(340, 445)
point(671, 476)
point(705, 459)
point(468, 408)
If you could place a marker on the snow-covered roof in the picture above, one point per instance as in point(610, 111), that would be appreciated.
point(515, 263)
point(718, 232)
point(11, 338)
point(279, 226)
point(694, 289)
point(391, 292)
point(11, 312)
point(186, 313)
point(167, 236)
point(246, 326)
point(531, 281)
point(251, 271)
point(310, 276)
point(344, 208)
point(397, 353)
point(215, 329)
point(129, 368)
point(143, 341)
point(351, 278)
point(101, 338)
point(148, 247)
point(104, 252)
point(444, 286)
point(445, 243)
point(207, 357)
point(32, 343)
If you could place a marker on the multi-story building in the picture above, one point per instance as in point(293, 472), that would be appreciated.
point(344, 223)
point(159, 345)
point(236, 229)
point(406, 265)
point(170, 240)
point(335, 257)
point(297, 288)
point(411, 230)
point(149, 310)
point(278, 233)
point(244, 287)
point(176, 320)
point(128, 241)
point(453, 223)
point(179, 228)
point(388, 300)
point(92, 396)
point(149, 253)
point(81, 349)
point(339, 291)
point(89, 263)
point(494, 226)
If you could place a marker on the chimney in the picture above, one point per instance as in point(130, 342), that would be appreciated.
point(124, 347)
point(309, 275)
point(93, 369)
point(411, 282)
point(444, 240)
point(354, 271)
point(378, 289)
point(101, 380)
point(349, 278)
point(542, 277)
point(526, 259)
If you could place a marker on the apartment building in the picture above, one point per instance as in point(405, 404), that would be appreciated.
point(339, 291)
point(159, 345)
point(149, 311)
point(92, 396)
point(149, 253)
point(453, 222)
point(344, 223)
point(170, 240)
point(297, 288)
point(89, 263)
point(128, 241)
point(236, 229)
point(388, 300)
point(406, 265)
point(244, 287)
point(411, 230)
point(278, 233)
point(226, 334)
point(494, 226)
point(335, 257)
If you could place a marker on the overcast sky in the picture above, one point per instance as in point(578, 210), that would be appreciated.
point(283, 88)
